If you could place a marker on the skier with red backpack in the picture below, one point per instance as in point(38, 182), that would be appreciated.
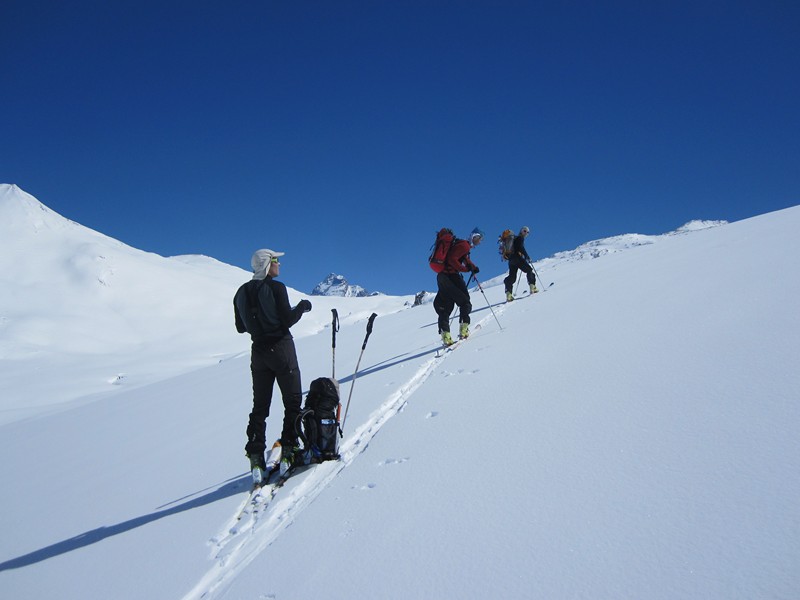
point(450, 262)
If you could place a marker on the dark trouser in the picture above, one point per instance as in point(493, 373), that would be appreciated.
point(268, 364)
point(452, 291)
point(516, 263)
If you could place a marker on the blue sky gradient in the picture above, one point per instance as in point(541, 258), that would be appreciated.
point(346, 133)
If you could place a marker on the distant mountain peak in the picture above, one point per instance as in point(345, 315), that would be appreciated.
point(336, 285)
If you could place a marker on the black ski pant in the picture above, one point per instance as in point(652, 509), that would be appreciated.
point(515, 264)
point(452, 291)
point(269, 364)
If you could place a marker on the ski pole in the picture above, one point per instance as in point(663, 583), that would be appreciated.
point(355, 374)
point(334, 329)
point(544, 287)
point(487, 302)
point(455, 314)
point(518, 280)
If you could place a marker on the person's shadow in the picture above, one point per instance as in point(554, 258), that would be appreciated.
point(226, 489)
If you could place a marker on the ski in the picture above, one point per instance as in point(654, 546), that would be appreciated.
point(257, 494)
point(453, 346)
point(457, 342)
point(528, 294)
point(541, 291)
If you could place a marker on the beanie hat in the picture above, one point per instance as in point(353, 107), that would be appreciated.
point(260, 262)
point(476, 233)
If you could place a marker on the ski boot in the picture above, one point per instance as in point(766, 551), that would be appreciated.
point(463, 331)
point(509, 297)
point(258, 468)
point(290, 455)
point(533, 288)
point(274, 457)
point(447, 340)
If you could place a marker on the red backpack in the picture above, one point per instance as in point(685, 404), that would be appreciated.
point(440, 248)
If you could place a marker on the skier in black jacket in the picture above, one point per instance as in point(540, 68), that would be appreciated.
point(261, 308)
point(518, 260)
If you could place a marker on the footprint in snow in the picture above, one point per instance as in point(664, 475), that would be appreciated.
point(460, 372)
point(393, 461)
point(432, 414)
point(369, 486)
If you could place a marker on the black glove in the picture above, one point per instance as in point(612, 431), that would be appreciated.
point(475, 270)
point(304, 305)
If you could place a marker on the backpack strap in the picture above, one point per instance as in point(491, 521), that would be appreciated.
point(306, 417)
point(252, 292)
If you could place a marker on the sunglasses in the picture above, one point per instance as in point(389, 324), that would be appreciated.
point(274, 261)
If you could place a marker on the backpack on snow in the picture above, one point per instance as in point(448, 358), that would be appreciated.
point(444, 241)
point(317, 424)
point(505, 244)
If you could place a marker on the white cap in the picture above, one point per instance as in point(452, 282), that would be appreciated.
point(260, 261)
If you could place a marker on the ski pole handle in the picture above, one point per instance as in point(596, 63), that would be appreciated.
point(369, 329)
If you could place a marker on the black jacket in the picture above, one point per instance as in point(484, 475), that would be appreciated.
point(518, 249)
point(261, 308)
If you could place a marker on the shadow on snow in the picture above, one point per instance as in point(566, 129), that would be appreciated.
point(228, 488)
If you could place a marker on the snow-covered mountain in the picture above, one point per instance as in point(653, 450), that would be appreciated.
point(80, 302)
point(619, 243)
point(72, 297)
point(336, 285)
point(628, 433)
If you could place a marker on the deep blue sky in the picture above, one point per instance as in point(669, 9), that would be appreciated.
point(346, 133)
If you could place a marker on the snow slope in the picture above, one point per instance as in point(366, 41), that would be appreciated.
point(76, 302)
point(630, 433)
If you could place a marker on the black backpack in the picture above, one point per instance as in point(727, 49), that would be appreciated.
point(252, 316)
point(317, 424)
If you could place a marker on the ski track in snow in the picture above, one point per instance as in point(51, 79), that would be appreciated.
point(241, 541)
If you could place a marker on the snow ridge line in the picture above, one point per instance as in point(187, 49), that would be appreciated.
point(281, 512)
